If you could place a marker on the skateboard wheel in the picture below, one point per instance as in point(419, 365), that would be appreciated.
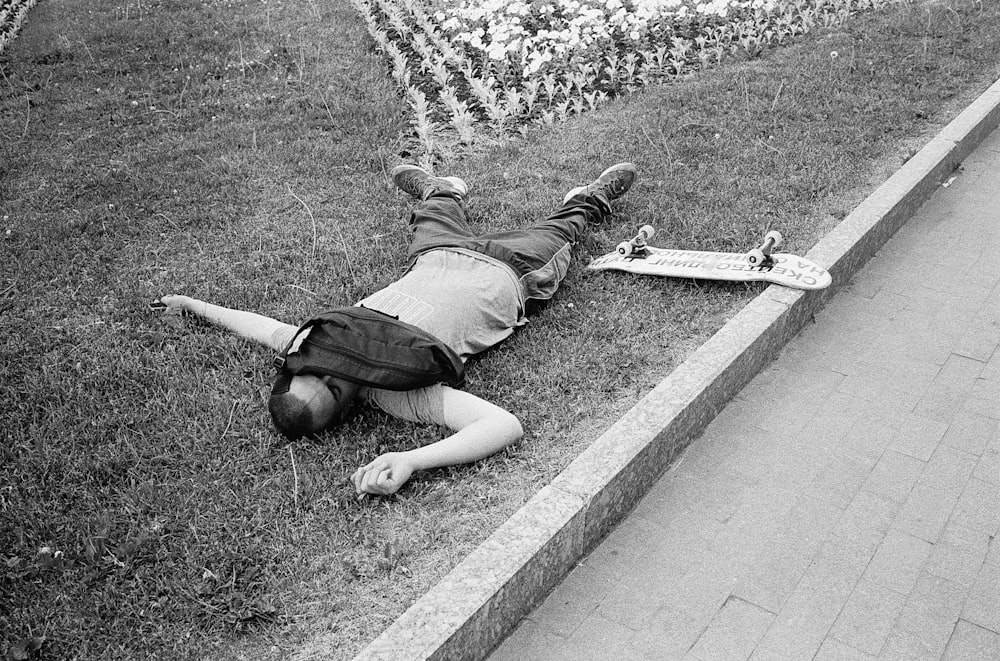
point(647, 232)
point(624, 248)
point(755, 257)
point(773, 236)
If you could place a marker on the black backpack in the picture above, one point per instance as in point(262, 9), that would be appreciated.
point(370, 348)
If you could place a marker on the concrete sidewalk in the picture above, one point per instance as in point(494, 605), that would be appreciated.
point(845, 504)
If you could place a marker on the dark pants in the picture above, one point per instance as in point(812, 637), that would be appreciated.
point(539, 254)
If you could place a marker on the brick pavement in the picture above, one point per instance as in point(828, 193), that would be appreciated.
point(845, 504)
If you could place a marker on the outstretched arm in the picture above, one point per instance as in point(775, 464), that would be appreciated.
point(249, 325)
point(481, 429)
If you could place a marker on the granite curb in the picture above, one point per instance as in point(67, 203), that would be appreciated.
point(469, 611)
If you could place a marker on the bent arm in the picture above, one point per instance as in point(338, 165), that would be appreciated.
point(481, 429)
point(249, 325)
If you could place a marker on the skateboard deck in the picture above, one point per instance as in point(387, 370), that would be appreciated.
point(759, 264)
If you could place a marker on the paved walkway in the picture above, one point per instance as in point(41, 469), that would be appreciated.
point(846, 504)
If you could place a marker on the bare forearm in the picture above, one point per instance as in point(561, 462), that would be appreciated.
point(478, 440)
point(250, 325)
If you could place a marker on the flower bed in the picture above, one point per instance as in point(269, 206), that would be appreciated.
point(482, 68)
point(12, 15)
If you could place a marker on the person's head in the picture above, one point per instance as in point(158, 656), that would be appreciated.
point(304, 405)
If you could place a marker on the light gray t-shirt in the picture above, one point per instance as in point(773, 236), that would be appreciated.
point(469, 301)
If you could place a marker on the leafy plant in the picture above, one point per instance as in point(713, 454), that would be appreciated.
point(564, 45)
point(13, 13)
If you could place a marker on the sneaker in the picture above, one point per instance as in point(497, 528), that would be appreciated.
point(418, 183)
point(613, 182)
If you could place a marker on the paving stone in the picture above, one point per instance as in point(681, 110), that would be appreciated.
point(867, 618)
point(631, 539)
point(978, 507)
point(989, 379)
point(834, 420)
point(632, 601)
point(531, 642)
point(910, 377)
point(839, 480)
point(982, 404)
point(925, 512)
point(970, 642)
point(966, 538)
point(988, 468)
point(695, 487)
point(958, 555)
point(983, 605)
point(905, 300)
point(780, 565)
point(742, 450)
point(703, 590)
point(898, 561)
point(668, 634)
point(946, 393)
point(947, 471)
point(867, 441)
point(640, 587)
point(953, 321)
point(993, 554)
point(894, 476)
point(810, 611)
point(799, 392)
point(880, 393)
point(762, 510)
point(964, 295)
point(577, 597)
point(935, 493)
point(971, 432)
point(674, 551)
point(923, 346)
point(683, 535)
point(926, 622)
point(979, 343)
point(834, 355)
point(752, 528)
point(987, 266)
point(733, 632)
point(766, 412)
point(919, 437)
point(865, 521)
point(890, 411)
point(796, 467)
point(834, 650)
point(597, 638)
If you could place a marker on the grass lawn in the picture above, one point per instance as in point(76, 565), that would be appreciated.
point(238, 151)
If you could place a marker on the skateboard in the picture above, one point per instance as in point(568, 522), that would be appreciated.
point(758, 264)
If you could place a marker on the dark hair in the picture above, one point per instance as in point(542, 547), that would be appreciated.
point(306, 404)
point(293, 417)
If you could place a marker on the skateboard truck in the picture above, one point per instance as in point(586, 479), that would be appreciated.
point(760, 257)
point(636, 246)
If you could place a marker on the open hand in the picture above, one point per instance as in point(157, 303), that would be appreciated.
point(383, 476)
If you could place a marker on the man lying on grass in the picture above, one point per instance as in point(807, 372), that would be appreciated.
point(461, 294)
